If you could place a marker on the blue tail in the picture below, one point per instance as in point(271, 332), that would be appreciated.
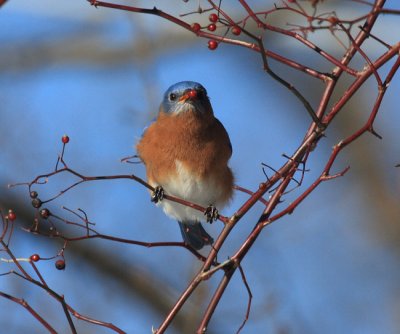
point(195, 235)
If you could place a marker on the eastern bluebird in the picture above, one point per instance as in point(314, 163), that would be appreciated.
point(186, 152)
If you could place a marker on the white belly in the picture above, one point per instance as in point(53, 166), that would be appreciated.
point(190, 188)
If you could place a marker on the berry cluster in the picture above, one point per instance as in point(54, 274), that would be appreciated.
point(212, 26)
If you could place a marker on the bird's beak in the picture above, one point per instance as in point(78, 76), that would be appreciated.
point(189, 95)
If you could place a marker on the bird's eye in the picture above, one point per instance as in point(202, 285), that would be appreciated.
point(172, 97)
point(202, 93)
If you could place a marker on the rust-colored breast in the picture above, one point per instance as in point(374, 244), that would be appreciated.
point(199, 142)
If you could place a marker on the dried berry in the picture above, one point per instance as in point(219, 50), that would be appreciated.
point(36, 203)
point(44, 213)
point(60, 264)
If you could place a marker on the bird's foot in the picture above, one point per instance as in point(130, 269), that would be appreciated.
point(157, 195)
point(211, 213)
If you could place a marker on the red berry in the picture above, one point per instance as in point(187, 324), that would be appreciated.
point(35, 257)
point(65, 139)
point(212, 27)
point(236, 30)
point(212, 44)
point(213, 17)
point(60, 264)
point(11, 215)
point(196, 27)
point(192, 94)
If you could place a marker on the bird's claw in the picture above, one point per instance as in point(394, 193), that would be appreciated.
point(211, 214)
point(157, 195)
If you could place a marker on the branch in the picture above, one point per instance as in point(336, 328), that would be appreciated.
point(24, 304)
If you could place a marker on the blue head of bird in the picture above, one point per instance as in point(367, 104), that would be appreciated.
point(186, 96)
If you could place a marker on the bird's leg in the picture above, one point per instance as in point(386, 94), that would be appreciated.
point(211, 213)
point(157, 195)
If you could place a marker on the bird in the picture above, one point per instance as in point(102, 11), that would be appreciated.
point(186, 150)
